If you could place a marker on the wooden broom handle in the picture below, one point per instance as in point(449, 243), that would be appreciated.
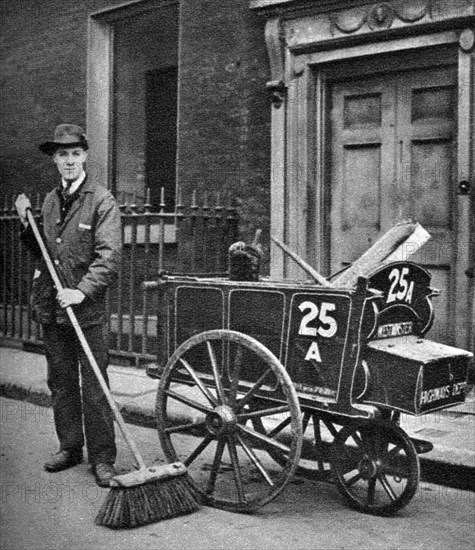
point(85, 345)
point(303, 264)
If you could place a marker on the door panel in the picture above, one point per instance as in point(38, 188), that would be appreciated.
point(427, 128)
point(392, 158)
point(360, 113)
point(431, 177)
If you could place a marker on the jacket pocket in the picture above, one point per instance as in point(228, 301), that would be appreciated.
point(85, 247)
point(43, 297)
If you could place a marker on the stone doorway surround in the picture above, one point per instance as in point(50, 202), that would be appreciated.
point(302, 38)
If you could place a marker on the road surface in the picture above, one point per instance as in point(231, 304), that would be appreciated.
point(43, 511)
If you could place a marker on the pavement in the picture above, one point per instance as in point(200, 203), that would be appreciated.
point(452, 431)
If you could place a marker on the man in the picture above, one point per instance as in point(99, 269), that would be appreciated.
point(80, 222)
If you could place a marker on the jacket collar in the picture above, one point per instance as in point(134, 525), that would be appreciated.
point(76, 184)
point(86, 186)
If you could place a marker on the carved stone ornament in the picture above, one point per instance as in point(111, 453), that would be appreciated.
point(411, 11)
point(277, 92)
point(467, 40)
point(381, 16)
point(349, 21)
point(275, 47)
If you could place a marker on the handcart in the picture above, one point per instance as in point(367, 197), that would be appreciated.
point(274, 378)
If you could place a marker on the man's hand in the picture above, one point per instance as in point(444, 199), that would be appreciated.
point(69, 297)
point(22, 204)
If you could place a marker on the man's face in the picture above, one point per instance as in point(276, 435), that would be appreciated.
point(70, 162)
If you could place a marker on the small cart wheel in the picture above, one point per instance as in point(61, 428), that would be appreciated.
point(319, 431)
point(376, 466)
point(236, 382)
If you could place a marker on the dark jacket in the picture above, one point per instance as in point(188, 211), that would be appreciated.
point(85, 248)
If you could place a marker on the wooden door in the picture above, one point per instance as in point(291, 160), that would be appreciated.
point(393, 158)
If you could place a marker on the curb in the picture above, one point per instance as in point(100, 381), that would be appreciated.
point(456, 476)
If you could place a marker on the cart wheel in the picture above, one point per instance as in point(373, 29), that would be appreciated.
point(318, 435)
point(230, 465)
point(376, 466)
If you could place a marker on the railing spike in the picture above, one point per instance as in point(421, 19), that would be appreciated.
point(179, 206)
point(122, 204)
point(205, 200)
point(218, 207)
point(147, 205)
point(231, 209)
point(179, 199)
point(133, 204)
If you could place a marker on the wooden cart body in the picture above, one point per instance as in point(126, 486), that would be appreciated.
point(272, 360)
point(341, 347)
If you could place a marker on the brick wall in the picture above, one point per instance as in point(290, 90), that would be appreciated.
point(224, 120)
point(43, 66)
point(224, 117)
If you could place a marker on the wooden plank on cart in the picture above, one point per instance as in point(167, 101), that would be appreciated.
point(397, 244)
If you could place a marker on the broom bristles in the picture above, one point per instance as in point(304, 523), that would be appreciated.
point(128, 507)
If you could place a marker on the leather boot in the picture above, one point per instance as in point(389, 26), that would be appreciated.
point(103, 473)
point(62, 460)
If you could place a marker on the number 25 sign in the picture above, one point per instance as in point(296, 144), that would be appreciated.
point(316, 322)
point(325, 324)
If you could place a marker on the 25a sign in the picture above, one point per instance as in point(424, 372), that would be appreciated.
point(401, 288)
point(405, 306)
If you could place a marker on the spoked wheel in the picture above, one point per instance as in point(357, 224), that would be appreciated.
point(376, 465)
point(235, 382)
point(318, 435)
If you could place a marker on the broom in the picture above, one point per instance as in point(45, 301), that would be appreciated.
point(149, 494)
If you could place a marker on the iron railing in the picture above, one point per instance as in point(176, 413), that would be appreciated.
point(192, 240)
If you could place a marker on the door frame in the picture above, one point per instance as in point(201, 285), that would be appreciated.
point(300, 154)
point(100, 80)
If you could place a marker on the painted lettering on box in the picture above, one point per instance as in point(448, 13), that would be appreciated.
point(442, 392)
point(395, 329)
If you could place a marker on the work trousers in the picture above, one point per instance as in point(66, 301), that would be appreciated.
point(79, 405)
